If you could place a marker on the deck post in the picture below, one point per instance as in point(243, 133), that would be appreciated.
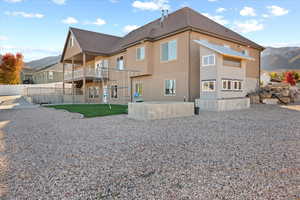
point(63, 78)
point(84, 77)
point(73, 92)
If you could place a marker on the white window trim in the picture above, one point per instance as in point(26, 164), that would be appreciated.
point(207, 56)
point(232, 85)
point(208, 81)
point(136, 53)
point(169, 95)
point(165, 61)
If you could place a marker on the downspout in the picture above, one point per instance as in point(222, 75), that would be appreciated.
point(189, 67)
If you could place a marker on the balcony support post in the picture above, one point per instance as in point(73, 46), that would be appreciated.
point(73, 92)
point(63, 83)
point(84, 77)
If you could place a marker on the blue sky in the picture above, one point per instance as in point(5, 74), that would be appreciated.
point(38, 28)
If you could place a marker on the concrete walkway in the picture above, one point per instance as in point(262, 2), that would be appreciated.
point(15, 102)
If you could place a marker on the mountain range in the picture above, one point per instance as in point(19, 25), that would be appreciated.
point(272, 59)
point(43, 62)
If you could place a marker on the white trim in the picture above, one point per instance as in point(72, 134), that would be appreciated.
point(207, 56)
point(208, 81)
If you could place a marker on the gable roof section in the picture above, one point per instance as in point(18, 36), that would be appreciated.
point(223, 50)
point(183, 19)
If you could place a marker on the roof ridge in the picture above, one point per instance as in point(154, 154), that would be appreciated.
point(95, 32)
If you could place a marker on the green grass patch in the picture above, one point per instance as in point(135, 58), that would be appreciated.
point(93, 110)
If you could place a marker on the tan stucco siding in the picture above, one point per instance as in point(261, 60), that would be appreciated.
point(71, 51)
point(252, 67)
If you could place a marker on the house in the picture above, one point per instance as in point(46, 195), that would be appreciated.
point(27, 75)
point(178, 57)
point(48, 74)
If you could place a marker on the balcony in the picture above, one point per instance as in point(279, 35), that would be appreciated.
point(90, 74)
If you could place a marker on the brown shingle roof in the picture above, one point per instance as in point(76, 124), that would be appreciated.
point(181, 19)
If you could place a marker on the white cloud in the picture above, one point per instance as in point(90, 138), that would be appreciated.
point(13, 1)
point(151, 5)
point(217, 18)
point(3, 38)
point(265, 15)
point(213, 0)
point(248, 11)
point(284, 44)
point(130, 28)
point(59, 2)
point(30, 53)
point(248, 26)
point(220, 10)
point(70, 20)
point(24, 14)
point(98, 22)
point(277, 11)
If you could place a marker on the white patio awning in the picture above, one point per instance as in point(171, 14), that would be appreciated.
point(226, 51)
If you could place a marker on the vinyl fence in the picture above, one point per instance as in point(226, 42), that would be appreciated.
point(10, 90)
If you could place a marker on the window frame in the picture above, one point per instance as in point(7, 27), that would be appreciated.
point(208, 81)
point(165, 81)
point(114, 87)
point(168, 44)
point(51, 75)
point(136, 54)
point(208, 56)
point(232, 85)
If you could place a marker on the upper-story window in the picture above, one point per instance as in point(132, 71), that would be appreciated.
point(246, 52)
point(71, 42)
point(168, 51)
point(208, 60)
point(120, 63)
point(50, 75)
point(140, 53)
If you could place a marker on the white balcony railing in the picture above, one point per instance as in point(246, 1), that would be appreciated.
point(89, 73)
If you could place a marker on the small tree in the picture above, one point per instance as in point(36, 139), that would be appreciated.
point(290, 78)
point(10, 68)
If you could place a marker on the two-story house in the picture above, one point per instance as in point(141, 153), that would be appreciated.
point(160, 61)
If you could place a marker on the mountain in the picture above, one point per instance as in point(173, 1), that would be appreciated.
point(285, 58)
point(44, 62)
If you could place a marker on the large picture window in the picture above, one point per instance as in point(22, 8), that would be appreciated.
point(170, 87)
point(208, 60)
point(168, 51)
point(208, 86)
point(140, 53)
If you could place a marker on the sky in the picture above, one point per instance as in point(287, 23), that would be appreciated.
point(38, 28)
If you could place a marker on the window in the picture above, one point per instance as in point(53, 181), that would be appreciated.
point(231, 85)
point(94, 92)
point(208, 60)
point(140, 53)
point(170, 87)
point(208, 86)
point(120, 63)
point(138, 89)
point(114, 91)
point(245, 52)
point(71, 42)
point(50, 75)
point(168, 51)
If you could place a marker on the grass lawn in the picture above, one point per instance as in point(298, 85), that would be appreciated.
point(93, 110)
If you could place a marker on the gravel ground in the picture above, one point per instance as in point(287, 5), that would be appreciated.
point(52, 154)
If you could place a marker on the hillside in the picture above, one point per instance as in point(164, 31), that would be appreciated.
point(44, 62)
point(274, 59)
